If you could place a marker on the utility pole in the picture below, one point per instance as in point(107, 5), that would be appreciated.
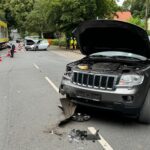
point(146, 14)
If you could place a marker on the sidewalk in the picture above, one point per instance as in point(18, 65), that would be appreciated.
point(73, 54)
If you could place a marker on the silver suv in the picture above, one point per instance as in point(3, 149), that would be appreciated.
point(115, 73)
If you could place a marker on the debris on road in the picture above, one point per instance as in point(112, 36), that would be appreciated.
point(79, 117)
point(68, 109)
point(79, 135)
point(70, 112)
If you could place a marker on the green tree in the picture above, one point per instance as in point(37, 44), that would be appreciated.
point(71, 13)
point(65, 15)
point(2, 14)
point(106, 8)
point(16, 11)
point(37, 20)
point(128, 4)
point(54, 15)
point(20, 10)
point(137, 7)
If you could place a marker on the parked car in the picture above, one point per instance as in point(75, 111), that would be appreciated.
point(30, 43)
point(115, 73)
point(41, 45)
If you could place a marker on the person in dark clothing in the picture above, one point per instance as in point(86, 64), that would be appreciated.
point(12, 50)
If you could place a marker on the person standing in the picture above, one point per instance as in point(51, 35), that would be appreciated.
point(74, 43)
point(71, 43)
point(12, 50)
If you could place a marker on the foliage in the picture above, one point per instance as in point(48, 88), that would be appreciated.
point(16, 11)
point(59, 42)
point(137, 7)
point(148, 32)
point(127, 4)
point(73, 12)
point(2, 14)
point(20, 10)
point(137, 21)
point(37, 21)
point(53, 15)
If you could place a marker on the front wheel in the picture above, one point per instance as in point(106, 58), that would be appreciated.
point(144, 115)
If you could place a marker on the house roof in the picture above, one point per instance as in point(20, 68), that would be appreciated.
point(123, 16)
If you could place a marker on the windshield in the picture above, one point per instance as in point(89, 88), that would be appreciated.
point(116, 54)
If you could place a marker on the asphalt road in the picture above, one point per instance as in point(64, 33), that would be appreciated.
point(29, 109)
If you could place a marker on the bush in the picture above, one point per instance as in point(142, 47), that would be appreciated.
point(58, 42)
point(148, 32)
point(54, 42)
point(137, 21)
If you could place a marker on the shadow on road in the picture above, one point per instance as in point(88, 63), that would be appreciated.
point(108, 116)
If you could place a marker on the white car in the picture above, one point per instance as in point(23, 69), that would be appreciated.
point(30, 43)
point(41, 45)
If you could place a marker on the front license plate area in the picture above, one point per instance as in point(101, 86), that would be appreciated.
point(89, 96)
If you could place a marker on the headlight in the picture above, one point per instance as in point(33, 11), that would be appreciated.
point(68, 72)
point(32, 46)
point(130, 80)
point(68, 68)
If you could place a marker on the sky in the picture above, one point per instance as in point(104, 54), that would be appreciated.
point(120, 2)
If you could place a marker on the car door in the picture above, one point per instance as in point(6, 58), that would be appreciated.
point(43, 45)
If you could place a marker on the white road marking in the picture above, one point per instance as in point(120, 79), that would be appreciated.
point(102, 141)
point(52, 84)
point(36, 66)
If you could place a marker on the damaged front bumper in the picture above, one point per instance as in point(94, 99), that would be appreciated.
point(125, 100)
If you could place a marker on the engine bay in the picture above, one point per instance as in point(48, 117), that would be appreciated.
point(108, 66)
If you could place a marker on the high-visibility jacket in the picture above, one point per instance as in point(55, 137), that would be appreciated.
point(71, 42)
point(75, 42)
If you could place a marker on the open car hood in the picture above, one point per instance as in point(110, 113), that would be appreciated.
point(111, 35)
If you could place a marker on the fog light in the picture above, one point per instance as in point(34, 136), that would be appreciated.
point(128, 99)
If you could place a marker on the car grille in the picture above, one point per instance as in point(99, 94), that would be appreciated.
point(92, 80)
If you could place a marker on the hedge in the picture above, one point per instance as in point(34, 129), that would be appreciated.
point(58, 42)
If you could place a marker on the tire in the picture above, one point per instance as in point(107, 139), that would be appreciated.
point(144, 116)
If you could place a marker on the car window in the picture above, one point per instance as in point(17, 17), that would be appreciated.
point(38, 42)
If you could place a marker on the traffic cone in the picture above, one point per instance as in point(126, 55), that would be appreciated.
point(8, 55)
